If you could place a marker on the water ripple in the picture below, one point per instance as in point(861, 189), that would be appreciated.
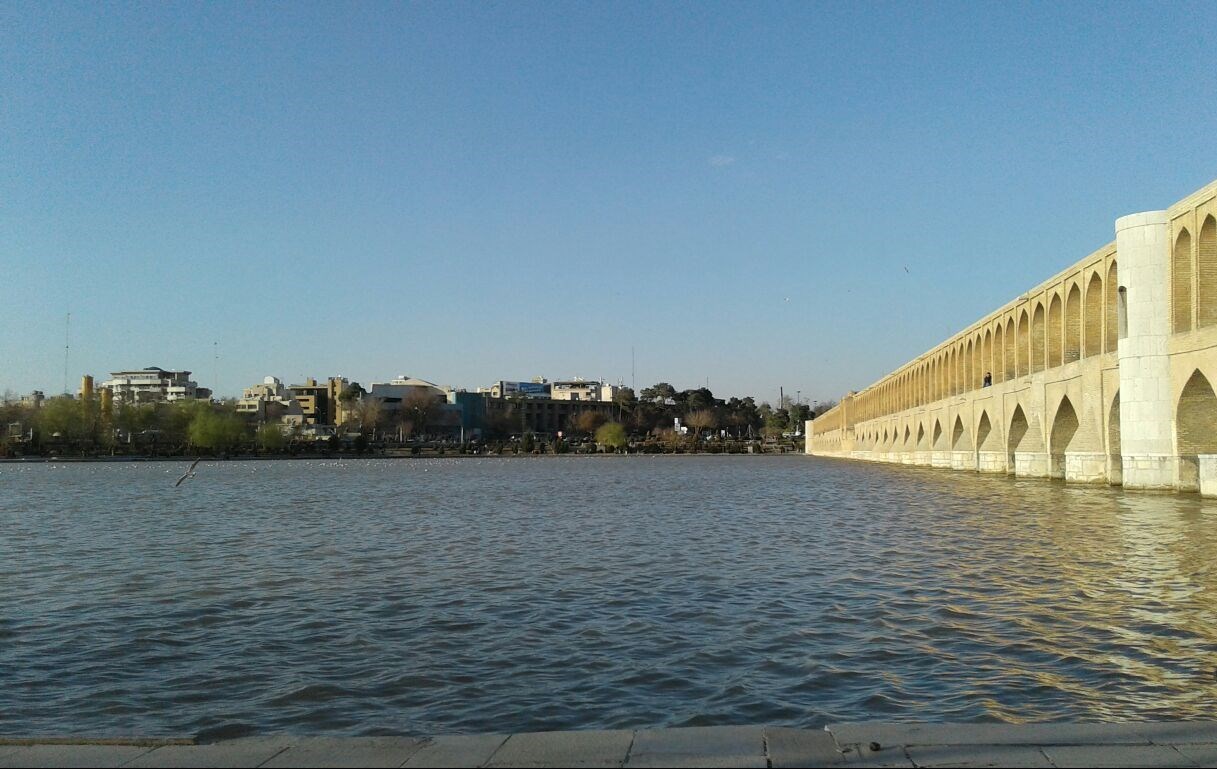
point(438, 596)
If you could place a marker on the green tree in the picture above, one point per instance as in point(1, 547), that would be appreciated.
point(271, 439)
point(612, 435)
point(216, 432)
point(658, 393)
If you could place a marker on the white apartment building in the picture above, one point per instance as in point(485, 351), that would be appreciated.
point(152, 385)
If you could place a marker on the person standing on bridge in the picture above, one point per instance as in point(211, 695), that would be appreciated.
point(988, 379)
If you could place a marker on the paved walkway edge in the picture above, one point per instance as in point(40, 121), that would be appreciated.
point(856, 745)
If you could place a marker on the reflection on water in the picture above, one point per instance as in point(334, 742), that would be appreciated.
point(440, 596)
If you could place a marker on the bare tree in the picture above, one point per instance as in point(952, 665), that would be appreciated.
point(705, 419)
point(420, 407)
point(368, 412)
point(588, 421)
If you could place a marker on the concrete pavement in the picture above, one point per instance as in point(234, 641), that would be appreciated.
point(1155, 744)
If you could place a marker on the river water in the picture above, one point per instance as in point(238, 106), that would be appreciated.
point(505, 594)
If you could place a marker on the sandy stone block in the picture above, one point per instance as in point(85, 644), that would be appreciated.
point(1115, 756)
point(73, 755)
point(564, 748)
point(457, 751)
point(348, 752)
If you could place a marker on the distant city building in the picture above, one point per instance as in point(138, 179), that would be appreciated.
point(270, 401)
point(537, 388)
point(154, 385)
point(578, 389)
point(319, 402)
point(394, 392)
point(546, 416)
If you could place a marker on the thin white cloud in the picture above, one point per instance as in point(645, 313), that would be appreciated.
point(718, 161)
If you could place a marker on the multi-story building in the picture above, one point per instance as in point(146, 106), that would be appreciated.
point(270, 401)
point(317, 401)
point(547, 416)
point(579, 389)
point(537, 388)
point(153, 385)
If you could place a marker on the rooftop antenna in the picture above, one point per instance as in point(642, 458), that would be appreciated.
point(632, 382)
point(67, 345)
point(215, 370)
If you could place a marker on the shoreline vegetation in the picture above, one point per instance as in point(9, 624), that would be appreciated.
point(661, 421)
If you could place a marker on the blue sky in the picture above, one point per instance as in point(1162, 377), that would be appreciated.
point(468, 192)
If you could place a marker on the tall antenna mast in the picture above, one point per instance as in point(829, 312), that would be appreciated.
point(633, 384)
point(215, 370)
point(67, 345)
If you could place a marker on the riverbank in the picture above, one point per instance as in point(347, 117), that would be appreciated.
point(450, 454)
point(857, 745)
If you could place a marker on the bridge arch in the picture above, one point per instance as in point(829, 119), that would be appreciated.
point(1024, 345)
point(1113, 285)
point(959, 436)
point(921, 444)
point(1064, 429)
point(1073, 324)
point(1196, 424)
point(986, 438)
point(1181, 283)
point(1011, 354)
point(1206, 274)
point(1092, 335)
point(1023, 436)
point(1038, 337)
point(1055, 327)
point(937, 441)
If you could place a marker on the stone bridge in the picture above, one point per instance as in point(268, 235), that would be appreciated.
point(1101, 374)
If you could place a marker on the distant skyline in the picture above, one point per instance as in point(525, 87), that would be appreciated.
point(468, 192)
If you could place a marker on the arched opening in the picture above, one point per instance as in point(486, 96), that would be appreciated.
point(1206, 274)
point(907, 435)
point(1181, 283)
point(1115, 463)
point(1017, 432)
point(1196, 421)
point(938, 442)
point(921, 444)
point(1054, 332)
point(986, 358)
point(1073, 325)
point(969, 371)
point(1038, 334)
point(984, 431)
point(1011, 347)
point(1024, 345)
point(959, 436)
point(1113, 326)
point(999, 364)
point(1093, 316)
point(1064, 427)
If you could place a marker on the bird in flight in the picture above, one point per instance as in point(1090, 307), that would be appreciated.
point(189, 473)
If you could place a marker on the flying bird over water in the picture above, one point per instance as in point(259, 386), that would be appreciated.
point(189, 473)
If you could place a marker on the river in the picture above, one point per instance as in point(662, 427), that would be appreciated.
point(434, 596)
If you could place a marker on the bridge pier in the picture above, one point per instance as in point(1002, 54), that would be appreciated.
point(1032, 464)
point(963, 460)
point(1208, 475)
point(991, 461)
point(1085, 467)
